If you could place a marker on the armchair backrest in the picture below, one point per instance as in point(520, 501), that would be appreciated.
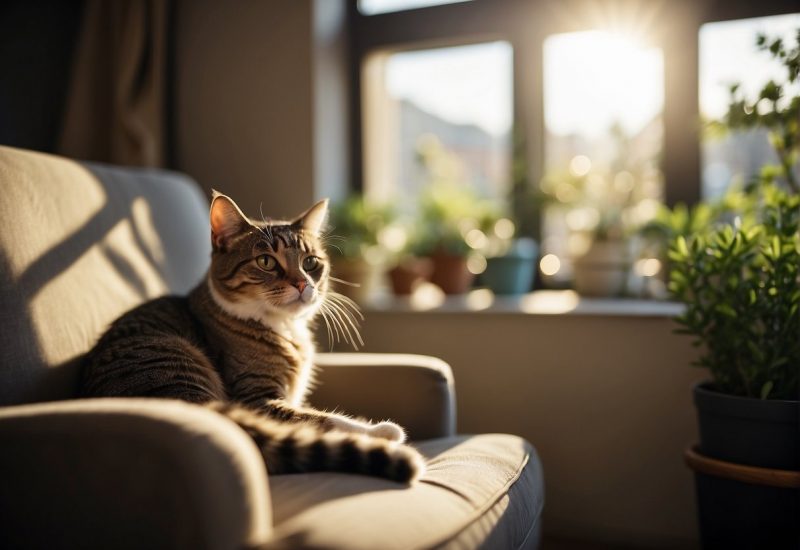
point(80, 244)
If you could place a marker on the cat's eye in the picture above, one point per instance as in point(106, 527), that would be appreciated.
point(267, 262)
point(310, 263)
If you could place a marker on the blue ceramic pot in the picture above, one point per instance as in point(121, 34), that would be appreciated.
point(514, 272)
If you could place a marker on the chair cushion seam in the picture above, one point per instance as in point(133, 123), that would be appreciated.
point(478, 512)
point(528, 534)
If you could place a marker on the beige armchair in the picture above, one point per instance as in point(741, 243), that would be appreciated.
point(79, 245)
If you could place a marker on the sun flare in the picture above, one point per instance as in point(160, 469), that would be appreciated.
point(596, 78)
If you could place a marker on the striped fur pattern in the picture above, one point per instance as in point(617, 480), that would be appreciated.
point(241, 344)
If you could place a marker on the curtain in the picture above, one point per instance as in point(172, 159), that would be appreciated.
point(116, 103)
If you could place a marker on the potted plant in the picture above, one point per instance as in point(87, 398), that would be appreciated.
point(511, 249)
point(409, 266)
point(738, 274)
point(357, 257)
point(450, 211)
point(603, 203)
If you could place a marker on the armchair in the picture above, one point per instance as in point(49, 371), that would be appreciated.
point(82, 243)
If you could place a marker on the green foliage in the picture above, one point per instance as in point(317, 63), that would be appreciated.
point(616, 195)
point(447, 211)
point(772, 109)
point(739, 281)
point(360, 222)
point(448, 207)
point(736, 264)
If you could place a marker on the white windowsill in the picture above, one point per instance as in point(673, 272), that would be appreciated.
point(542, 302)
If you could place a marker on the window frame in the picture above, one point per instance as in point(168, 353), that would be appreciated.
point(526, 25)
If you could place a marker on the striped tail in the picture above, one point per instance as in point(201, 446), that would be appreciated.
point(299, 447)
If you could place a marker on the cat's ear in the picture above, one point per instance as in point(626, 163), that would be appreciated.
point(313, 219)
point(227, 220)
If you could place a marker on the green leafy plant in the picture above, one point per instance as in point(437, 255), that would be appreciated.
point(357, 224)
point(736, 264)
point(612, 197)
point(772, 109)
point(448, 207)
point(739, 281)
point(447, 213)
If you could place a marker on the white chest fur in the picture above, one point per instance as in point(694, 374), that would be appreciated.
point(298, 332)
point(295, 330)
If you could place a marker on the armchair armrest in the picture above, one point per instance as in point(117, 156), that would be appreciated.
point(128, 473)
point(416, 391)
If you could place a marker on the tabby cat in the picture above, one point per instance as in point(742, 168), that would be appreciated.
point(240, 343)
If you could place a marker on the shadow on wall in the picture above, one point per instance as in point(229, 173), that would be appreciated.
point(80, 245)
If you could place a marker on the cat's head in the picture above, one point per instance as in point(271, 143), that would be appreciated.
point(268, 268)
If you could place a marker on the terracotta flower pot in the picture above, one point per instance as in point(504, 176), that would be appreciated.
point(406, 275)
point(450, 273)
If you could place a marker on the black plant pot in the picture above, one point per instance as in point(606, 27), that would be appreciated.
point(748, 496)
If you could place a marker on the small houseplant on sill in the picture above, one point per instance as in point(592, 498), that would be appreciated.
point(511, 249)
point(739, 277)
point(604, 201)
point(409, 267)
point(449, 209)
point(448, 213)
point(356, 255)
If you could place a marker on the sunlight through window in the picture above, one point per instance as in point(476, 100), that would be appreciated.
point(596, 79)
point(728, 55)
point(443, 113)
point(603, 103)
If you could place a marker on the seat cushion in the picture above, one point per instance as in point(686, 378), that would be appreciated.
point(483, 490)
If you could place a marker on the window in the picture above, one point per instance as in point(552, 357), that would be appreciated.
point(728, 55)
point(605, 123)
point(603, 100)
point(441, 113)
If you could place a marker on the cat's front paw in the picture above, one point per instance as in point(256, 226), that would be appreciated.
point(387, 430)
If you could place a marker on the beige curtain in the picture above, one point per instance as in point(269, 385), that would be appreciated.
point(115, 109)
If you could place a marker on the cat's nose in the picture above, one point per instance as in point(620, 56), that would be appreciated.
point(301, 285)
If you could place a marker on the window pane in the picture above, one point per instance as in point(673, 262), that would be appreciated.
point(728, 55)
point(372, 7)
point(454, 103)
point(603, 101)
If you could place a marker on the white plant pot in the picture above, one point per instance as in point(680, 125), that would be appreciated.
point(604, 269)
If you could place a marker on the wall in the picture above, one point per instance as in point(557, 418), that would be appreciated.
point(244, 117)
point(606, 401)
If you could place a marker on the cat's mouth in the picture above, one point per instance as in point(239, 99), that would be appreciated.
point(295, 300)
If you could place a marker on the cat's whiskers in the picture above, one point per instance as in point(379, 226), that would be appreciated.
point(326, 241)
point(342, 281)
point(345, 300)
point(331, 322)
point(342, 326)
point(346, 310)
point(338, 322)
point(327, 326)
